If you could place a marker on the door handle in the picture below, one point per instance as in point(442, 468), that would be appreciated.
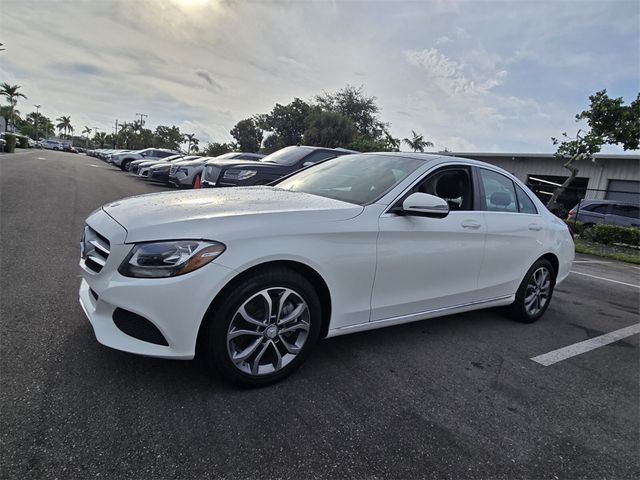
point(535, 227)
point(470, 224)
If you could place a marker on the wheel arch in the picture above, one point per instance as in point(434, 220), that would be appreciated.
point(555, 262)
point(303, 269)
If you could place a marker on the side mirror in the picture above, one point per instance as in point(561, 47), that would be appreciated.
point(425, 205)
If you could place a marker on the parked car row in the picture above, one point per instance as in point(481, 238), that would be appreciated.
point(230, 169)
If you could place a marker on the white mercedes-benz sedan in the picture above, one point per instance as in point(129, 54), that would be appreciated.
point(252, 277)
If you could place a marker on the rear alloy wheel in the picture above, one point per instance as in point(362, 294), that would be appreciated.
point(264, 329)
point(534, 294)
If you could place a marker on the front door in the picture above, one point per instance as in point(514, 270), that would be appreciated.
point(426, 264)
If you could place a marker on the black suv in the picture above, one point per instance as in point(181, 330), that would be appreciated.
point(236, 173)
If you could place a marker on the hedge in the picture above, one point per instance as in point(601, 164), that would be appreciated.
point(11, 142)
point(24, 142)
point(607, 234)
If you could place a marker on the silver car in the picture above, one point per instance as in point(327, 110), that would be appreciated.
point(612, 212)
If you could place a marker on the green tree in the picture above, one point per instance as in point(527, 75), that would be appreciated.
point(272, 144)
point(353, 103)
point(11, 93)
point(100, 138)
point(417, 143)
point(192, 142)
point(329, 129)
point(168, 137)
point(611, 123)
point(248, 135)
point(286, 121)
point(87, 131)
point(64, 125)
point(214, 149)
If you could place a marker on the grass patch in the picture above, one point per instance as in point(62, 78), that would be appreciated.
point(628, 255)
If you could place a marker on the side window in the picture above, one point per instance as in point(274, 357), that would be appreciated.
point(598, 208)
point(625, 211)
point(318, 156)
point(499, 193)
point(450, 184)
point(525, 205)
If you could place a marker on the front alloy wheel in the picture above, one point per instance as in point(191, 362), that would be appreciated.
point(268, 331)
point(263, 328)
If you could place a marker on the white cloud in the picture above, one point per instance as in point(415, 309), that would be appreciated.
point(477, 75)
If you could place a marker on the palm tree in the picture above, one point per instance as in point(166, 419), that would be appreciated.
point(86, 132)
point(417, 143)
point(12, 94)
point(64, 125)
point(100, 138)
point(191, 138)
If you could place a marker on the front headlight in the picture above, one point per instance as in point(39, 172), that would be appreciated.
point(239, 174)
point(169, 259)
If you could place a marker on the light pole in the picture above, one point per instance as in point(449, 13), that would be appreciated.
point(36, 122)
point(142, 119)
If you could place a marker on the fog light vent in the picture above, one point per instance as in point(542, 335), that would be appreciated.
point(137, 326)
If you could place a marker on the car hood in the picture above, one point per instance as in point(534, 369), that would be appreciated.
point(231, 162)
point(219, 214)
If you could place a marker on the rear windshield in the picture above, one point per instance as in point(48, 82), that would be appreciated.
point(287, 156)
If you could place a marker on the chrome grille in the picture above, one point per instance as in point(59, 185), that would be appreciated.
point(211, 173)
point(94, 249)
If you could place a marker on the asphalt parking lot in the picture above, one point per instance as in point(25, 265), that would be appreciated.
point(455, 397)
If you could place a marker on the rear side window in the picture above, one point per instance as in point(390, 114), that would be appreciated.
point(625, 211)
point(525, 205)
point(499, 192)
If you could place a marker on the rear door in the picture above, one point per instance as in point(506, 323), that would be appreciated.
point(624, 215)
point(515, 233)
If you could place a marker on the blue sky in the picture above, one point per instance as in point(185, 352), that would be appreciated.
point(469, 75)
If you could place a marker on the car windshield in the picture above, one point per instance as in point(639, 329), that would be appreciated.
point(359, 179)
point(287, 156)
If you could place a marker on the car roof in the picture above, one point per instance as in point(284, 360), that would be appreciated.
point(607, 202)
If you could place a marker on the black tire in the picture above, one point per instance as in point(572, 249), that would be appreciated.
point(125, 164)
point(218, 324)
point(518, 309)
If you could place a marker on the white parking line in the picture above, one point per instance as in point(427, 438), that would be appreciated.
point(560, 354)
point(606, 279)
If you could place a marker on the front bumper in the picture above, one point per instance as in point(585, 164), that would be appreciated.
point(174, 306)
